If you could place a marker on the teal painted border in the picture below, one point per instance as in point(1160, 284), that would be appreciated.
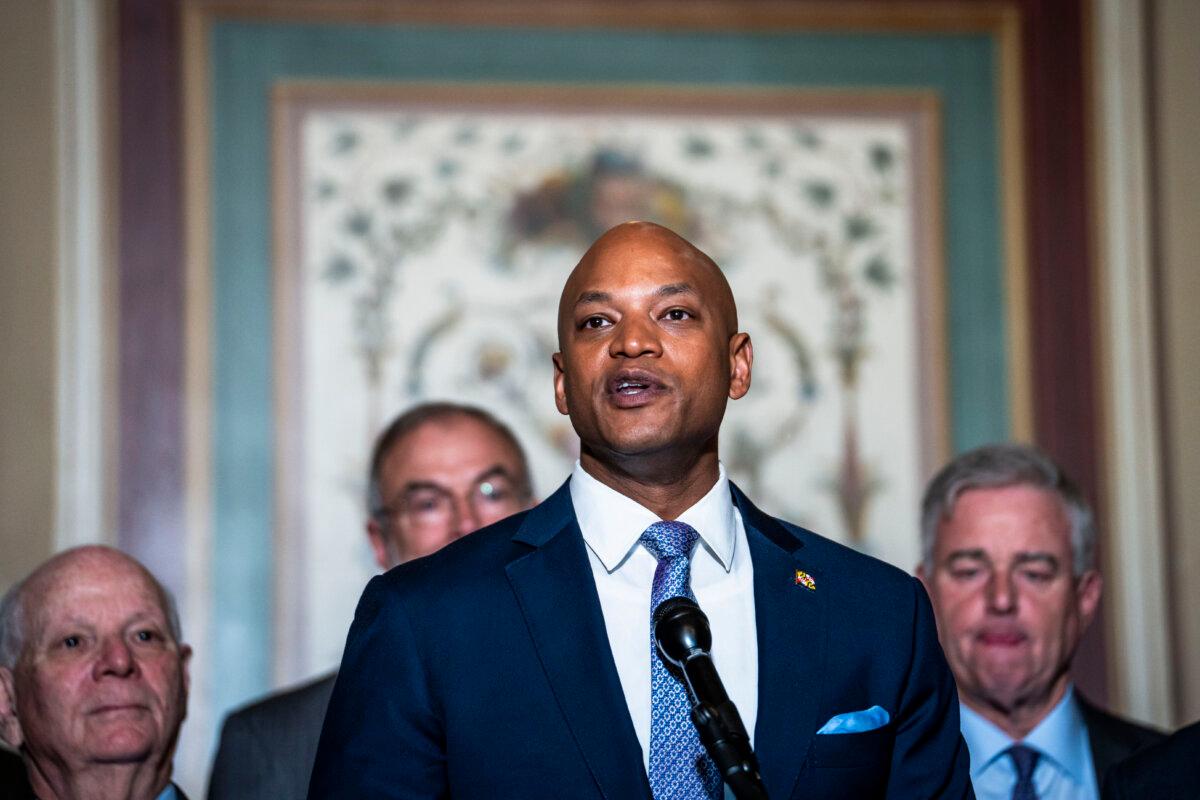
point(247, 58)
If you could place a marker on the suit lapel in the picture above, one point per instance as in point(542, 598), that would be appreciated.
point(790, 622)
point(556, 591)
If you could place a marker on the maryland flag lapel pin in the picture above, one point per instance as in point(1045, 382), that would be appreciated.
point(805, 580)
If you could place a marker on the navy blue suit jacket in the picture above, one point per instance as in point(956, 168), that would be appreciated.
point(484, 671)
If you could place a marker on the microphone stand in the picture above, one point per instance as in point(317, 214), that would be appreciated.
point(724, 737)
point(684, 640)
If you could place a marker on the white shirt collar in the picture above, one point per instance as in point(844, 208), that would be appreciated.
point(1061, 736)
point(612, 523)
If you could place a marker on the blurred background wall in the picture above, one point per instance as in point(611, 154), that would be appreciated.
point(94, 309)
point(28, 308)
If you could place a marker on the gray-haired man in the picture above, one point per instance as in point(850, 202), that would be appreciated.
point(1009, 560)
point(438, 472)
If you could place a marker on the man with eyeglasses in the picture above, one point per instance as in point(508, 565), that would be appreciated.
point(438, 472)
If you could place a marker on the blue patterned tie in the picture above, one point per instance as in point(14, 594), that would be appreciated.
point(679, 767)
point(1025, 759)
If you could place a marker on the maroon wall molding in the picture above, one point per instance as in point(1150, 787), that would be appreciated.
point(150, 494)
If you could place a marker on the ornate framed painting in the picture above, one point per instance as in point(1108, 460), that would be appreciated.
point(424, 232)
point(382, 200)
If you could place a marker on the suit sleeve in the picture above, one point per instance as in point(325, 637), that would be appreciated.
point(382, 736)
point(930, 757)
point(233, 770)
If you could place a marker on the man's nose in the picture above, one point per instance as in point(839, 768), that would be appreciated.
point(466, 519)
point(635, 336)
point(115, 658)
point(1001, 594)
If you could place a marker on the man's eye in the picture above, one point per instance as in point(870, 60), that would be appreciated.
point(1037, 576)
point(71, 642)
point(964, 573)
point(678, 315)
point(425, 503)
point(497, 494)
point(595, 323)
point(146, 636)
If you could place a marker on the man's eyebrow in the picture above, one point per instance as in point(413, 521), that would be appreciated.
point(975, 554)
point(494, 471)
point(592, 297)
point(1038, 557)
point(669, 290)
point(675, 288)
point(72, 621)
point(421, 486)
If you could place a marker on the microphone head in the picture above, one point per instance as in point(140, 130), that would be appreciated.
point(681, 630)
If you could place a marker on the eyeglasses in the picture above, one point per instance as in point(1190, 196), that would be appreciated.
point(429, 505)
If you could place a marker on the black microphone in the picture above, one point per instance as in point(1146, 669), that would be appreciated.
point(684, 639)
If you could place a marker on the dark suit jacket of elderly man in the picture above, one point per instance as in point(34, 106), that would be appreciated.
point(267, 748)
point(1167, 770)
point(484, 671)
point(14, 781)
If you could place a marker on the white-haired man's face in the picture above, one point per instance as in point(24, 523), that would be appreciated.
point(100, 678)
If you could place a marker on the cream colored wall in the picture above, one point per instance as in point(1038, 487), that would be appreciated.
point(1175, 55)
point(27, 286)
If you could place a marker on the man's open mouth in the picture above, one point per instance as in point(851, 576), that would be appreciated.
point(632, 388)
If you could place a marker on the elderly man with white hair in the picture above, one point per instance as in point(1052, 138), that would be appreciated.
point(93, 679)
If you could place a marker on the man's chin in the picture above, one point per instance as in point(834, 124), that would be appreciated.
point(130, 745)
point(641, 441)
point(1005, 690)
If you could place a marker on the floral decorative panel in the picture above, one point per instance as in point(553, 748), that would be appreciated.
point(424, 234)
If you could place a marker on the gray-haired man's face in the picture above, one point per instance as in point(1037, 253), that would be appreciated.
point(1010, 611)
point(444, 480)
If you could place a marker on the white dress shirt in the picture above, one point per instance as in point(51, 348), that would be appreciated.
point(1065, 770)
point(722, 580)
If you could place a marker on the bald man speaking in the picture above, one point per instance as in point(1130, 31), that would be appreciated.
point(519, 662)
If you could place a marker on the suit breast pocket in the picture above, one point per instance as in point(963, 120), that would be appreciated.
point(867, 749)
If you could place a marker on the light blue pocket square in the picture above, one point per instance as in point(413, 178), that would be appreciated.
point(857, 721)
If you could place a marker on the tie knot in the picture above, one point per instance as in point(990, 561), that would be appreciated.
point(669, 539)
point(1025, 759)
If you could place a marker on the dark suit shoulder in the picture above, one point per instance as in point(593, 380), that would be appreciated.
point(1113, 738)
point(843, 566)
point(300, 703)
point(829, 554)
point(468, 564)
point(1116, 728)
point(14, 781)
point(1167, 769)
point(267, 748)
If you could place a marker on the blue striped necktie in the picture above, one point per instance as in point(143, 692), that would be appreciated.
point(680, 769)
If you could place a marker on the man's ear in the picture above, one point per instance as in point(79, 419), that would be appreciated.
point(560, 383)
point(10, 726)
point(1087, 595)
point(185, 661)
point(741, 360)
point(379, 544)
